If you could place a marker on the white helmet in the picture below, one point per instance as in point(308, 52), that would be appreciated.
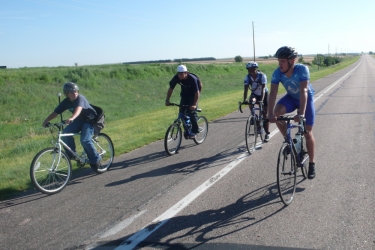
point(251, 65)
point(181, 68)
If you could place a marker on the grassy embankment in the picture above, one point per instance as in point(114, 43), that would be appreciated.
point(131, 95)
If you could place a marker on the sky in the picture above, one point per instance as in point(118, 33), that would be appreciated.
point(52, 33)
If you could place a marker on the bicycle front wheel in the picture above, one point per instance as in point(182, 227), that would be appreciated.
point(104, 147)
point(286, 174)
point(50, 171)
point(172, 140)
point(251, 134)
point(203, 130)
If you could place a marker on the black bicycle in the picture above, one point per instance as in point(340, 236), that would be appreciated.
point(292, 156)
point(173, 136)
point(254, 125)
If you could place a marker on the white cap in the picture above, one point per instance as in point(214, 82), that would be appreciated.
point(182, 68)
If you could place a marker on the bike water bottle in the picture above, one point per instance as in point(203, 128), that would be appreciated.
point(188, 123)
point(297, 142)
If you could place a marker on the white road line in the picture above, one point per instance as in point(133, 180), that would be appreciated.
point(138, 237)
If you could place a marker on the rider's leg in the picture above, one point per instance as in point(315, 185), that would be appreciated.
point(74, 127)
point(280, 110)
point(86, 141)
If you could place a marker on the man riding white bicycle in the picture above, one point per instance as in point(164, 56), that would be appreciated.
point(256, 81)
point(80, 121)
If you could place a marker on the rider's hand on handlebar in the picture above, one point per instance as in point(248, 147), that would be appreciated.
point(167, 103)
point(69, 121)
point(298, 118)
point(272, 118)
point(245, 102)
point(193, 107)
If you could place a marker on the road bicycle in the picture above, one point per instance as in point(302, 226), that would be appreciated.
point(51, 168)
point(173, 136)
point(254, 125)
point(292, 156)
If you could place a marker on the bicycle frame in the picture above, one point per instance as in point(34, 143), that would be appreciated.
point(288, 138)
point(59, 144)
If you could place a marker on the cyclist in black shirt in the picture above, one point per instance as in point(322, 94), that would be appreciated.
point(190, 92)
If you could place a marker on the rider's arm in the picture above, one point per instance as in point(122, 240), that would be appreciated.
point(76, 113)
point(246, 87)
point(263, 91)
point(50, 117)
point(169, 94)
point(272, 99)
point(303, 97)
point(196, 97)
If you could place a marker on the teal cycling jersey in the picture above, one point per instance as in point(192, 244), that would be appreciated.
point(292, 85)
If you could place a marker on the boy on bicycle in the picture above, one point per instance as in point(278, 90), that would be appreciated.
point(190, 92)
point(80, 121)
point(256, 81)
point(300, 95)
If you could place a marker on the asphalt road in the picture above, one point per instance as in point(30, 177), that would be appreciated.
point(216, 196)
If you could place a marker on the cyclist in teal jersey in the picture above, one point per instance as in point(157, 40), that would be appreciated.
point(300, 95)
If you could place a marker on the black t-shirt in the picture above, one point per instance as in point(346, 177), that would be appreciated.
point(188, 87)
point(87, 112)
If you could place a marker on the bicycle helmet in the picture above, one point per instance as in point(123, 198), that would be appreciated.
point(70, 87)
point(286, 52)
point(251, 65)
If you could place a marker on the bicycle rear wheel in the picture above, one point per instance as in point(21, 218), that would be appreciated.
point(286, 174)
point(251, 134)
point(104, 147)
point(203, 130)
point(48, 173)
point(172, 140)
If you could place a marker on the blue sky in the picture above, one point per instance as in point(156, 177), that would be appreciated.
point(37, 33)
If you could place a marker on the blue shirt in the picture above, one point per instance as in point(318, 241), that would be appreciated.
point(292, 85)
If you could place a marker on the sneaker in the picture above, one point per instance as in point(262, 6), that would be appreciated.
point(311, 173)
point(267, 138)
point(192, 136)
point(95, 166)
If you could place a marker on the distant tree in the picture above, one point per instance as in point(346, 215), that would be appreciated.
point(238, 59)
point(300, 60)
point(370, 52)
point(76, 64)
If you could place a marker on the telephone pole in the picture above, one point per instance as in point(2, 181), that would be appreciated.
point(253, 42)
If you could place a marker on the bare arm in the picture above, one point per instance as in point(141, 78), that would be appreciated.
point(53, 115)
point(196, 97)
point(76, 113)
point(272, 101)
point(302, 100)
point(169, 94)
point(246, 88)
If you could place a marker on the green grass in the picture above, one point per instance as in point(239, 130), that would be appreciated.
point(132, 97)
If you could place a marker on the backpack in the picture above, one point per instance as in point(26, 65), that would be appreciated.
point(98, 121)
point(199, 81)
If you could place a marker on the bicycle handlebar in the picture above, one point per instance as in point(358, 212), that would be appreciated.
point(178, 105)
point(291, 118)
point(246, 103)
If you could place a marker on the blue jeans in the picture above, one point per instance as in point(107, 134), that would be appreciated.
point(87, 131)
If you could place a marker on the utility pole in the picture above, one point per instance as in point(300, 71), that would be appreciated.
point(253, 42)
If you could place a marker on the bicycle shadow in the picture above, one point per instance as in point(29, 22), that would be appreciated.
point(186, 167)
point(209, 225)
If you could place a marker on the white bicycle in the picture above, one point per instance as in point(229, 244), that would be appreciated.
point(51, 168)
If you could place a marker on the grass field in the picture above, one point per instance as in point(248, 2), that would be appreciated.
point(132, 97)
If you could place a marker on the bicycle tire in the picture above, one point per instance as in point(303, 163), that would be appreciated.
point(286, 174)
point(104, 147)
point(203, 130)
point(172, 140)
point(304, 158)
point(45, 179)
point(251, 134)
